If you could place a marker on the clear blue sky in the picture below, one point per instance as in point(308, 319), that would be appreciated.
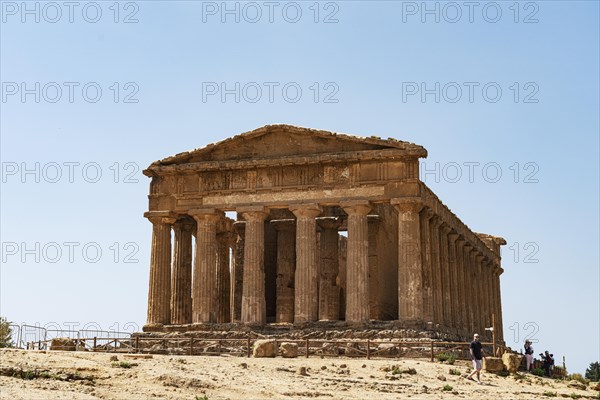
point(366, 64)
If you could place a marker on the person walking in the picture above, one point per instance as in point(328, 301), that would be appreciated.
point(476, 351)
point(528, 355)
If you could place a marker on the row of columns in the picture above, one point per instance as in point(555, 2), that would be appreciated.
point(442, 278)
point(461, 286)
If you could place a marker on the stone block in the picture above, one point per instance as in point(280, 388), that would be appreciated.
point(493, 364)
point(264, 348)
point(63, 343)
point(512, 361)
point(289, 350)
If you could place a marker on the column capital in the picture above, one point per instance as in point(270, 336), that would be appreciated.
point(453, 236)
point(184, 224)
point(427, 213)
point(161, 217)
point(206, 214)
point(407, 204)
point(461, 240)
point(436, 220)
point(329, 222)
point(357, 207)
point(306, 210)
point(445, 228)
point(254, 213)
point(284, 224)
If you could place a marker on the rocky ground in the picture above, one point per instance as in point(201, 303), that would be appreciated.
point(82, 375)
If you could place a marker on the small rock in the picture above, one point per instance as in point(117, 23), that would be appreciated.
point(576, 385)
point(323, 367)
point(114, 358)
point(343, 365)
point(302, 371)
point(442, 378)
point(364, 366)
point(244, 365)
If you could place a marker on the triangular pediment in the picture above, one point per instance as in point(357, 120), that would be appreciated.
point(280, 141)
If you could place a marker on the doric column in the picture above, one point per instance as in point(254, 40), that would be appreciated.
point(373, 246)
point(489, 276)
point(159, 291)
point(476, 305)
point(468, 289)
point(205, 265)
point(357, 258)
point(286, 264)
point(306, 305)
point(427, 257)
point(454, 282)
point(329, 292)
point(254, 309)
point(181, 286)
point(500, 327)
point(446, 279)
point(410, 263)
point(438, 299)
point(223, 287)
point(462, 299)
point(237, 271)
point(480, 292)
point(486, 296)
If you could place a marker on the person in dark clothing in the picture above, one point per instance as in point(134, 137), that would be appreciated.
point(547, 363)
point(476, 351)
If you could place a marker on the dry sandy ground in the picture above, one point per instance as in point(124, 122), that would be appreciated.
point(79, 375)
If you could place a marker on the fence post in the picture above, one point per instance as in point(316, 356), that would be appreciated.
point(248, 342)
point(137, 344)
point(432, 351)
point(95, 339)
point(306, 348)
point(368, 349)
point(39, 344)
point(191, 346)
point(219, 347)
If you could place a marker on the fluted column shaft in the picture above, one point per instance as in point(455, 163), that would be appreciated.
point(438, 299)
point(306, 304)
point(446, 279)
point(286, 264)
point(238, 271)
point(482, 294)
point(205, 266)
point(159, 291)
point(223, 287)
point(254, 310)
point(428, 272)
point(374, 283)
point(329, 292)
point(499, 324)
point(468, 289)
point(357, 267)
point(462, 298)
point(181, 286)
point(475, 291)
point(410, 262)
point(454, 282)
point(492, 291)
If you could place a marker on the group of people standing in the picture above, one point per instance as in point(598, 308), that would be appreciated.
point(476, 352)
point(547, 359)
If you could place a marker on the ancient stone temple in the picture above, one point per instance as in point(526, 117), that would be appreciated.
point(294, 225)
